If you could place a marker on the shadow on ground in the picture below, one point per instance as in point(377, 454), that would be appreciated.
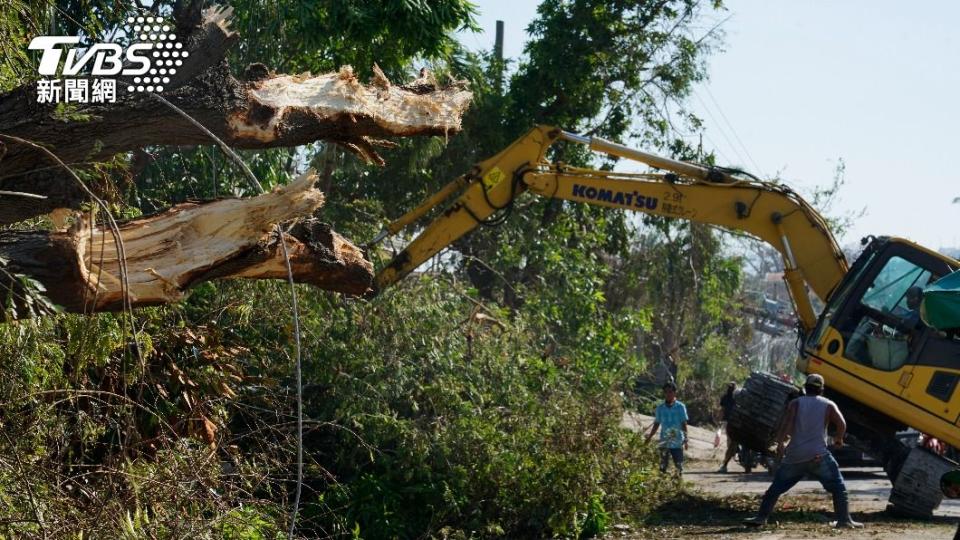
point(697, 514)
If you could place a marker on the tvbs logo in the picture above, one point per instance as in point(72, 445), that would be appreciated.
point(151, 58)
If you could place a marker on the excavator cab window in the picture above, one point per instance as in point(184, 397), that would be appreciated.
point(889, 291)
point(832, 312)
point(881, 337)
point(880, 327)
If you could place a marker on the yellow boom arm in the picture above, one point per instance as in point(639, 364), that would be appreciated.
point(770, 212)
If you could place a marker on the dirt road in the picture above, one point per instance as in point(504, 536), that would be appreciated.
point(714, 504)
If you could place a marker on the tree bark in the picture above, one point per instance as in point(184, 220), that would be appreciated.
point(188, 244)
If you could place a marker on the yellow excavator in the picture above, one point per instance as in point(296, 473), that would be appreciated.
point(890, 373)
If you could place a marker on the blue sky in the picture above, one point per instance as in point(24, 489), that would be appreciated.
point(800, 85)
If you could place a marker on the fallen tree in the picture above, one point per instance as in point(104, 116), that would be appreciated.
point(188, 244)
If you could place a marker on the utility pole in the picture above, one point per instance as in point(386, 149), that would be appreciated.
point(498, 57)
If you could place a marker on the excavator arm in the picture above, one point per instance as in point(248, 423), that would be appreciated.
point(770, 212)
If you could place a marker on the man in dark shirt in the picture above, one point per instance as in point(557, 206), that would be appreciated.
point(914, 297)
point(726, 408)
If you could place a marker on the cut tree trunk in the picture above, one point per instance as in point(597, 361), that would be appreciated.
point(166, 254)
point(188, 244)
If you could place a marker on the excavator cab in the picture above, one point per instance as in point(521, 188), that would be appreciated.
point(888, 370)
point(871, 342)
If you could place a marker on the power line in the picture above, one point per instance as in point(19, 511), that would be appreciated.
point(740, 160)
point(733, 131)
point(715, 147)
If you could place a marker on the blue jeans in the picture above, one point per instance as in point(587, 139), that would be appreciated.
point(676, 454)
point(824, 468)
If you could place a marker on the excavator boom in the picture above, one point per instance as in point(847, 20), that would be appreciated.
point(770, 212)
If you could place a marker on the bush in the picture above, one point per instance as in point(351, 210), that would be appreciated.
point(427, 405)
point(428, 413)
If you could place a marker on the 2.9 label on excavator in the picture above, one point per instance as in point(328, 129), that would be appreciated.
point(631, 199)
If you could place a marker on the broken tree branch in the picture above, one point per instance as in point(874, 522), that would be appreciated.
point(170, 252)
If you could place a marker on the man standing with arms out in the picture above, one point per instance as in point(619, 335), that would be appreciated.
point(806, 423)
point(671, 415)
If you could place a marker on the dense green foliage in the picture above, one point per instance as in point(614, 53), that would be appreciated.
point(467, 419)
point(481, 398)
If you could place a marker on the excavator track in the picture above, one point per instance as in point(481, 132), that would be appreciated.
point(916, 489)
point(759, 409)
